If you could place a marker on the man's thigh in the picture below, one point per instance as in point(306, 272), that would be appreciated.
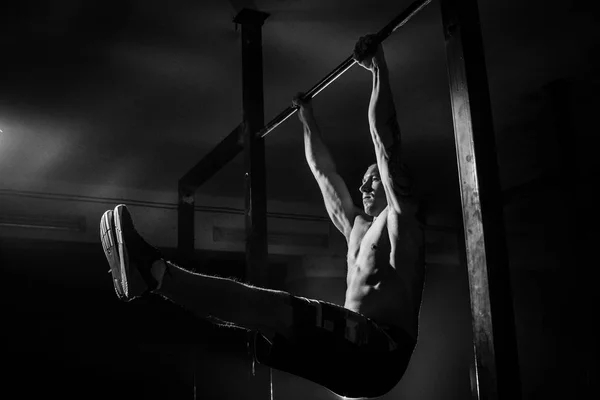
point(337, 348)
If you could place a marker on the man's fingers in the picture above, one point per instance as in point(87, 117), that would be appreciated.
point(361, 48)
point(366, 46)
point(299, 100)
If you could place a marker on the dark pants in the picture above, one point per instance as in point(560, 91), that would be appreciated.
point(344, 351)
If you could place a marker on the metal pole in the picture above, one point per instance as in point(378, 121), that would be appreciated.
point(255, 178)
point(496, 362)
point(185, 220)
point(254, 147)
point(383, 34)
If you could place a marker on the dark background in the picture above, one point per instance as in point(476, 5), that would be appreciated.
point(131, 94)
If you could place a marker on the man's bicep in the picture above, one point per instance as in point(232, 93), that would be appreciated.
point(338, 201)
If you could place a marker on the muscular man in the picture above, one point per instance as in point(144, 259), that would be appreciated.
point(359, 350)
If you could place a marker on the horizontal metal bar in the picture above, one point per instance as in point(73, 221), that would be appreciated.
point(383, 34)
point(232, 145)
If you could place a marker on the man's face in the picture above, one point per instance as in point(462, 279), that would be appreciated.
point(373, 194)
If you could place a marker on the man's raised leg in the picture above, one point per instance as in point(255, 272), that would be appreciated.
point(138, 268)
point(264, 310)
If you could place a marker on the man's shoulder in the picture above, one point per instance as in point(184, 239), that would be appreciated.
point(360, 223)
point(360, 219)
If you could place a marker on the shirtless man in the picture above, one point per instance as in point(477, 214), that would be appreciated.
point(359, 350)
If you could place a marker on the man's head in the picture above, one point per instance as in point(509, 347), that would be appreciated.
point(373, 194)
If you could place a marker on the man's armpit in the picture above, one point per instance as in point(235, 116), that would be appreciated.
point(394, 127)
point(400, 173)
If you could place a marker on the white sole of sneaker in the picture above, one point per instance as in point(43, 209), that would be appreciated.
point(122, 250)
point(111, 251)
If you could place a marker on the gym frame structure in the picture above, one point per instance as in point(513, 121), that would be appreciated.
point(484, 252)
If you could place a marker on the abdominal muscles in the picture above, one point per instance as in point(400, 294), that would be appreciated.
point(380, 285)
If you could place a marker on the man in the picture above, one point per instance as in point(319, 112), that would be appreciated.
point(359, 350)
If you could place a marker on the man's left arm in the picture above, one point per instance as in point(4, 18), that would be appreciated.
point(383, 123)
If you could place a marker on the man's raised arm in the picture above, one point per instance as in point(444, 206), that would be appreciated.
point(338, 201)
point(383, 123)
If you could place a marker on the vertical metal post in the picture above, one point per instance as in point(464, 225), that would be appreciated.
point(255, 177)
point(462, 260)
point(185, 220)
point(254, 146)
point(497, 368)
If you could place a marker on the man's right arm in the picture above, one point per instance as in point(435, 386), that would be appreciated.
point(336, 196)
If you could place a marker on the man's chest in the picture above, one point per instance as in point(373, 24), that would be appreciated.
point(370, 242)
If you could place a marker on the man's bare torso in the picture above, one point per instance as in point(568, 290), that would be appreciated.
point(386, 269)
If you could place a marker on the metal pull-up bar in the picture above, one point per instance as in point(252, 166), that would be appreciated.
point(383, 34)
point(232, 145)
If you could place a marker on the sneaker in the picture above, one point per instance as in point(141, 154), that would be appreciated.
point(107, 236)
point(130, 257)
